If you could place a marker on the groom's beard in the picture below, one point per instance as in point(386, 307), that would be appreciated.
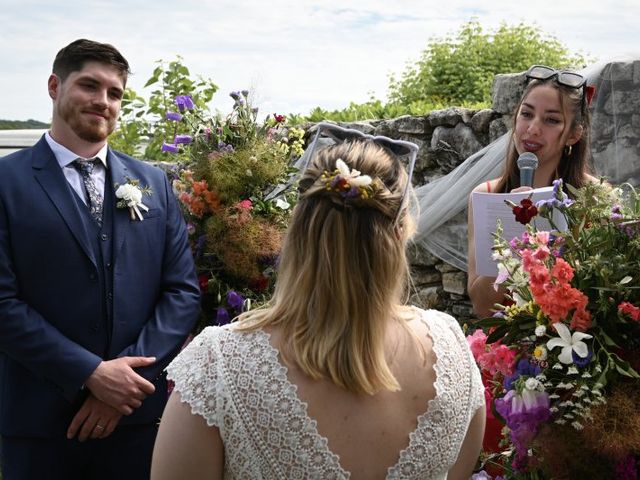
point(86, 123)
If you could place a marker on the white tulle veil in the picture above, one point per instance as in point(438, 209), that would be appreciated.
point(615, 146)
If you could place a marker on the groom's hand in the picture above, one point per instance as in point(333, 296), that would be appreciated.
point(95, 419)
point(117, 384)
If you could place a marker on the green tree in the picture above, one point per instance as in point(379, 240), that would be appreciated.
point(460, 69)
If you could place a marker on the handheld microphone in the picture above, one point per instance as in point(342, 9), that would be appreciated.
point(527, 163)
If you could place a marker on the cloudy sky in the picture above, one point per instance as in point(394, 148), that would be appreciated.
point(294, 55)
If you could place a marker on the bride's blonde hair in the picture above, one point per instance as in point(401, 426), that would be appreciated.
point(342, 272)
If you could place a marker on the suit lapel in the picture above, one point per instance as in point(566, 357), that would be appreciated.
point(121, 223)
point(49, 175)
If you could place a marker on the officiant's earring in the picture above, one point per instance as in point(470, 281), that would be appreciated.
point(567, 150)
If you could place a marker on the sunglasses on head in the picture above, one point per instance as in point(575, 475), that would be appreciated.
point(329, 134)
point(563, 77)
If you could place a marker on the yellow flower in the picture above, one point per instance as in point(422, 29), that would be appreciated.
point(540, 353)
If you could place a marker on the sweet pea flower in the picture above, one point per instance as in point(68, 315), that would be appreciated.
point(569, 343)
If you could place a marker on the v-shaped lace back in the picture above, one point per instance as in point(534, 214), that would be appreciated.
point(236, 382)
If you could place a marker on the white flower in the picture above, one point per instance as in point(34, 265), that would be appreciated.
point(572, 371)
point(569, 343)
point(353, 177)
point(540, 330)
point(533, 384)
point(130, 195)
point(502, 254)
point(282, 204)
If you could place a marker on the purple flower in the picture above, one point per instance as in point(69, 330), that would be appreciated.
point(184, 102)
point(235, 95)
point(183, 139)
point(191, 228)
point(169, 147)
point(245, 93)
point(235, 300)
point(222, 316)
point(523, 414)
point(174, 116)
point(225, 147)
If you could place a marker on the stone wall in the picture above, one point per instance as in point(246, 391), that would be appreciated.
point(447, 137)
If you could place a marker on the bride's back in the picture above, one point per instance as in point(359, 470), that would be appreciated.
point(367, 432)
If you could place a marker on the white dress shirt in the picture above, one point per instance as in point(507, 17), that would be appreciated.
point(66, 158)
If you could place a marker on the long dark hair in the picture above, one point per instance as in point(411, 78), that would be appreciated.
point(573, 168)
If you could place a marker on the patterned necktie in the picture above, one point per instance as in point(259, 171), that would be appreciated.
point(85, 167)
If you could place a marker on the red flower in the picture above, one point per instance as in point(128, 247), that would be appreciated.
point(259, 284)
point(525, 211)
point(279, 118)
point(203, 281)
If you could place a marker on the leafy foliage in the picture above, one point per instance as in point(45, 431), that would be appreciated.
point(142, 129)
point(459, 69)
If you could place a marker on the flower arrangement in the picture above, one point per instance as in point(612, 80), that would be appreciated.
point(234, 228)
point(560, 358)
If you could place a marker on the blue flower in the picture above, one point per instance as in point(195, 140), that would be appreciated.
point(184, 102)
point(222, 316)
point(183, 139)
point(169, 147)
point(579, 361)
point(174, 116)
point(235, 300)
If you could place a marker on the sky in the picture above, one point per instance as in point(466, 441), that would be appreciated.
point(292, 55)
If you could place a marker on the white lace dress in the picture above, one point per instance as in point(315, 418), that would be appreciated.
point(236, 382)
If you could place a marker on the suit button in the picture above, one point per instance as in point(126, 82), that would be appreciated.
point(108, 265)
point(93, 277)
point(110, 296)
point(104, 237)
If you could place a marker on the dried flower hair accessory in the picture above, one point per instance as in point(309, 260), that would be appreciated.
point(349, 184)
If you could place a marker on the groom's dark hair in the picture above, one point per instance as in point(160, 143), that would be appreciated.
point(73, 57)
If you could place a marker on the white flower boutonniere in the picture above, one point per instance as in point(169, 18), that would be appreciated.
point(130, 196)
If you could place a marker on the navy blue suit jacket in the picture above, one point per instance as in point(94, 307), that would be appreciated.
point(49, 297)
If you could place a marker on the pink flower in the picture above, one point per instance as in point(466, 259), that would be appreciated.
point(630, 309)
point(562, 271)
point(477, 343)
point(244, 205)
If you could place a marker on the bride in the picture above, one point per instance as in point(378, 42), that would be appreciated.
point(335, 378)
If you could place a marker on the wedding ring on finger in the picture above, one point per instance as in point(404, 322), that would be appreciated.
point(99, 427)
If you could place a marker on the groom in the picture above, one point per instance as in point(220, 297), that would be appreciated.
point(95, 299)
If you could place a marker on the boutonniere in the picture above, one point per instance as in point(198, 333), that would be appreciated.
point(130, 195)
